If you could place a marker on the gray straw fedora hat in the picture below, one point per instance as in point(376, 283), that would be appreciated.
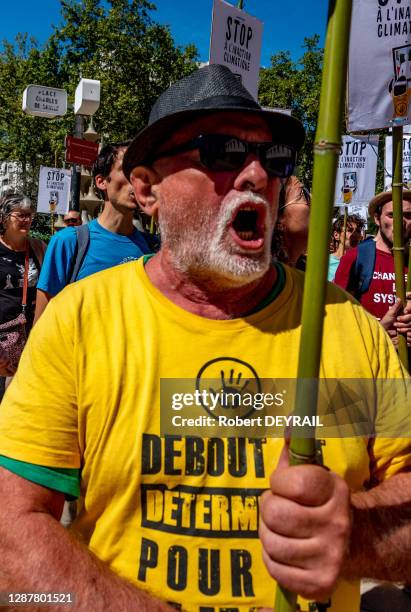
point(386, 196)
point(208, 90)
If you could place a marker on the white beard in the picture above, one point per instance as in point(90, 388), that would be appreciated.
point(205, 249)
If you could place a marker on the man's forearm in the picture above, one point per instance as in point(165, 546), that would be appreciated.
point(381, 537)
point(38, 554)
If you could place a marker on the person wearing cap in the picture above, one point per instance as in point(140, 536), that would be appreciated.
point(379, 298)
point(110, 240)
point(169, 517)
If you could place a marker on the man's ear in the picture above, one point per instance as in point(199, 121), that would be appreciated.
point(101, 182)
point(377, 216)
point(144, 181)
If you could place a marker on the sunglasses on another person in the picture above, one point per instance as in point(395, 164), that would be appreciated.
point(71, 221)
point(225, 153)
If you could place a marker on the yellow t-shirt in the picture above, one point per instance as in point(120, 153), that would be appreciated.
point(178, 516)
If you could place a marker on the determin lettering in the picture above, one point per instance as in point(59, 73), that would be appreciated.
point(218, 512)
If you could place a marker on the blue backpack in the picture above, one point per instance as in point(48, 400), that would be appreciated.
point(362, 271)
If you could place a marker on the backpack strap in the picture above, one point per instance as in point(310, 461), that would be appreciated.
point(83, 241)
point(363, 269)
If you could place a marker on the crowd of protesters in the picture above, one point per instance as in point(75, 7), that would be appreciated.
point(194, 522)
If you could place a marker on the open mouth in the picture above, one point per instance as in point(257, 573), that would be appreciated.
point(247, 227)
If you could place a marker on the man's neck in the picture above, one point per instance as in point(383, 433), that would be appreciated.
point(383, 245)
point(207, 299)
point(118, 222)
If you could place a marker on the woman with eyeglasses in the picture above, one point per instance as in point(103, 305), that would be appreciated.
point(291, 231)
point(20, 261)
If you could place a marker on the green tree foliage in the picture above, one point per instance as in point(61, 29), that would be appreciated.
point(134, 58)
point(115, 41)
point(22, 138)
point(296, 85)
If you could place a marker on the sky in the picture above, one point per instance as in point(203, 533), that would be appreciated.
point(189, 22)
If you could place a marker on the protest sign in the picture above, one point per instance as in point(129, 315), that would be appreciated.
point(379, 72)
point(360, 211)
point(236, 43)
point(406, 161)
point(357, 170)
point(54, 190)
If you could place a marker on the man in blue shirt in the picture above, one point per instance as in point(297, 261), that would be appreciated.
point(113, 237)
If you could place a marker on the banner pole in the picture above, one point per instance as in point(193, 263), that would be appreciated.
point(398, 239)
point(326, 152)
point(345, 227)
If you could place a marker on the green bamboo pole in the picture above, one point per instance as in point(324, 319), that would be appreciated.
point(240, 4)
point(398, 240)
point(326, 152)
point(345, 227)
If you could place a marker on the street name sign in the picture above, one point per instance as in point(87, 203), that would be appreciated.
point(43, 101)
point(79, 151)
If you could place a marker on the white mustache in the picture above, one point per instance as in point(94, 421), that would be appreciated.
point(229, 208)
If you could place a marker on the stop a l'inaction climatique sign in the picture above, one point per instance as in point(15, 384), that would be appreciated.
point(54, 190)
point(236, 43)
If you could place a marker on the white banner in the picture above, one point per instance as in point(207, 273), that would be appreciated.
point(236, 42)
point(361, 211)
point(54, 190)
point(357, 171)
point(379, 71)
point(406, 161)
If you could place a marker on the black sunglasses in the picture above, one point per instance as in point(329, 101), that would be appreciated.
point(221, 152)
point(71, 220)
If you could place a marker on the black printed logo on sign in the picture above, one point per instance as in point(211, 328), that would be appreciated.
point(227, 386)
